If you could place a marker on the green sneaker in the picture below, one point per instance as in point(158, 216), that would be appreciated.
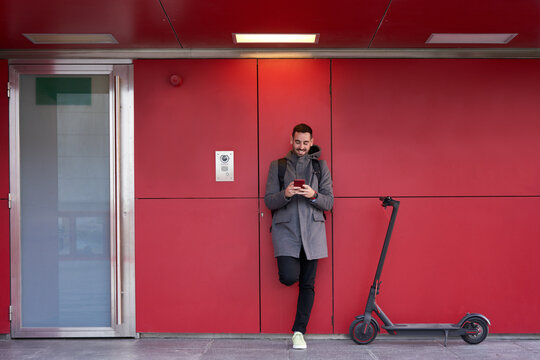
point(298, 341)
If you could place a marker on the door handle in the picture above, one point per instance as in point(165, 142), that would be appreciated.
point(118, 210)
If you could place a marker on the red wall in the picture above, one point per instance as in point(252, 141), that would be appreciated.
point(447, 257)
point(178, 129)
point(197, 265)
point(4, 268)
point(455, 140)
point(4, 212)
point(448, 137)
point(197, 249)
point(436, 127)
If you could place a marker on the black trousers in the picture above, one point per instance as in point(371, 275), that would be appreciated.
point(302, 270)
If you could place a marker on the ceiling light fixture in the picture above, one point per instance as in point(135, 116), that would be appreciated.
point(470, 38)
point(71, 38)
point(275, 38)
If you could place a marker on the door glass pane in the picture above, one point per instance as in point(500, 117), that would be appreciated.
point(65, 201)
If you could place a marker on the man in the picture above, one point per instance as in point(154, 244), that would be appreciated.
point(298, 229)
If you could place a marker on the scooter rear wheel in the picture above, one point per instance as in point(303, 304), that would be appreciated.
point(355, 331)
point(480, 325)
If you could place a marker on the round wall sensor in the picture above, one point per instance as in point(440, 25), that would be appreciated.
point(176, 80)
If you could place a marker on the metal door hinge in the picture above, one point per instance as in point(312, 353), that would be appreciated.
point(8, 89)
point(9, 201)
point(10, 312)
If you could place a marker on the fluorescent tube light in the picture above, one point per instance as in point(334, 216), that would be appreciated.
point(470, 38)
point(71, 38)
point(276, 38)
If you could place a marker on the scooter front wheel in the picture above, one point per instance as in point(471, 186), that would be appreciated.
point(356, 331)
point(480, 326)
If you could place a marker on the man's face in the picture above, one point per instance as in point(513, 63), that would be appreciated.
point(301, 143)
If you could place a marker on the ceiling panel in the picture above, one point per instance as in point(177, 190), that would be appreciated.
point(409, 23)
point(210, 24)
point(134, 23)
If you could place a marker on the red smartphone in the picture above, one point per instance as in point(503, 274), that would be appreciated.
point(299, 182)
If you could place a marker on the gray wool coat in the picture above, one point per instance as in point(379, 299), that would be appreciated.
point(298, 221)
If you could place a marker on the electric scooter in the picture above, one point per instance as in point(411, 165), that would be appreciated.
point(473, 328)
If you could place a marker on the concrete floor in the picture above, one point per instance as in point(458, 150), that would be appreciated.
point(271, 348)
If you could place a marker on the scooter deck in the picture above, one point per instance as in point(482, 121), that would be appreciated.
point(421, 327)
point(426, 330)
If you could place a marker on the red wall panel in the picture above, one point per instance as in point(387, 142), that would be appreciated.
point(178, 129)
point(4, 133)
point(436, 127)
point(5, 300)
point(448, 256)
point(291, 92)
point(197, 265)
point(4, 212)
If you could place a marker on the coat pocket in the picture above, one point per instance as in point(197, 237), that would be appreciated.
point(280, 218)
point(318, 216)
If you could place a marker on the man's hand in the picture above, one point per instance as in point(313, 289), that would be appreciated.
point(305, 191)
point(291, 190)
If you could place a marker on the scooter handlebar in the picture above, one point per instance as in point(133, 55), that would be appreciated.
point(388, 201)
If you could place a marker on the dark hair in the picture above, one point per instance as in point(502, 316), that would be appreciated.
point(303, 128)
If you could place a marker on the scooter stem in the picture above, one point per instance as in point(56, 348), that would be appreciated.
point(386, 201)
point(371, 306)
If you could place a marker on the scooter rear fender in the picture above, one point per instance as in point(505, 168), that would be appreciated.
point(470, 316)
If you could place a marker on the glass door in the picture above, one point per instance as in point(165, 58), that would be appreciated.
point(72, 195)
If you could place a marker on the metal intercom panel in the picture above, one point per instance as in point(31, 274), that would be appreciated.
point(224, 165)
